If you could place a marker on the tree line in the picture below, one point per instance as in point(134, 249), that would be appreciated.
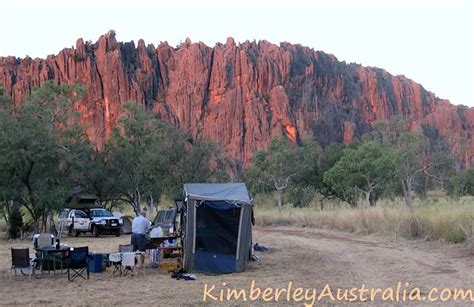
point(45, 154)
point(390, 161)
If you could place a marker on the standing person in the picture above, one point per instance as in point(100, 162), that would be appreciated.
point(140, 225)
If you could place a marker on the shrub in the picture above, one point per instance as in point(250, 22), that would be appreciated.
point(16, 224)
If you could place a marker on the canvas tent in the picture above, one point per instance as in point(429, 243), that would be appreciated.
point(83, 201)
point(217, 227)
point(127, 222)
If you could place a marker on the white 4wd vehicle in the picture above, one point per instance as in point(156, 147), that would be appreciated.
point(94, 220)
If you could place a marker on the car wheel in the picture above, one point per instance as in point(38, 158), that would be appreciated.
point(95, 231)
point(118, 232)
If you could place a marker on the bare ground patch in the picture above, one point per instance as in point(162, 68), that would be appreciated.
point(309, 258)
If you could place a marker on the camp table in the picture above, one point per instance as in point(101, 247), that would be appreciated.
point(159, 240)
point(51, 257)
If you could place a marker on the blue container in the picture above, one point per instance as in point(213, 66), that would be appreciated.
point(95, 263)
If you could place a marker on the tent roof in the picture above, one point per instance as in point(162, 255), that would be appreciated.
point(230, 192)
point(83, 201)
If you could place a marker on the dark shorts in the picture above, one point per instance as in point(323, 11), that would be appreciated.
point(138, 242)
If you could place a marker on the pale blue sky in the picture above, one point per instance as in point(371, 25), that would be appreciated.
point(430, 42)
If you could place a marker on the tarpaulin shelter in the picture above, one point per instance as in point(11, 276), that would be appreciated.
point(217, 227)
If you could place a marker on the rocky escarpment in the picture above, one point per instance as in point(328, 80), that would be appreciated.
point(240, 95)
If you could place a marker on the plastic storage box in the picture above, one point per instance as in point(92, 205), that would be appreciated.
point(96, 263)
point(169, 266)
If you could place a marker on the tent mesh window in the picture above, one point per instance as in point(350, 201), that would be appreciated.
point(217, 227)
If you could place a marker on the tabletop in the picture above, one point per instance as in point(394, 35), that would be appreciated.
point(53, 249)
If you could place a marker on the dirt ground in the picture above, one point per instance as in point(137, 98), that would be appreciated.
point(309, 258)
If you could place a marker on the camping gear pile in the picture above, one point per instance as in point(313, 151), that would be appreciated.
point(208, 231)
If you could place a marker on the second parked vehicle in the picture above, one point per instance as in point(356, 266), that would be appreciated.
point(90, 218)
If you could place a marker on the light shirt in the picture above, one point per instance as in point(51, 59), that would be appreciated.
point(140, 225)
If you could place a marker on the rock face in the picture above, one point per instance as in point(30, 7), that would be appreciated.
point(240, 95)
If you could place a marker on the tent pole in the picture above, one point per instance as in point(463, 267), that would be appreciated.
point(240, 232)
point(194, 227)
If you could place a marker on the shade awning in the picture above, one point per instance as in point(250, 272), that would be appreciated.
point(229, 192)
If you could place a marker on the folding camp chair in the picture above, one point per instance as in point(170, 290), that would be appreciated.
point(21, 260)
point(78, 263)
point(116, 260)
point(128, 262)
point(125, 248)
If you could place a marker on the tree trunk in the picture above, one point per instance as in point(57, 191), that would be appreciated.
point(34, 211)
point(136, 207)
point(51, 224)
point(373, 200)
point(6, 214)
point(406, 187)
point(135, 200)
point(279, 201)
point(37, 221)
point(150, 203)
point(367, 198)
point(44, 227)
point(353, 203)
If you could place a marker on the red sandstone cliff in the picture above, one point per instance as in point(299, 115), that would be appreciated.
point(239, 95)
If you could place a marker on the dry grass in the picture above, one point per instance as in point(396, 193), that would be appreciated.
point(308, 257)
point(433, 219)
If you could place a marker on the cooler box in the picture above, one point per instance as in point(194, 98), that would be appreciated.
point(96, 263)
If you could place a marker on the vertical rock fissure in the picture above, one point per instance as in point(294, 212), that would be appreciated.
point(205, 99)
point(101, 83)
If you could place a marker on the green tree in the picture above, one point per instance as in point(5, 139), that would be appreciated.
point(360, 170)
point(276, 167)
point(330, 156)
point(412, 157)
point(16, 223)
point(416, 159)
point(40, 142)
point(461, 184)
point(190, 160)
point(148, 158)
point(308, 180)
point(98, 176)
point(135, 152)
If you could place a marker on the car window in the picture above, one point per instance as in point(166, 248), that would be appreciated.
point(101, 213)
point(158, 217)
point(169, 216)
point(165, 217)
point(80, 214)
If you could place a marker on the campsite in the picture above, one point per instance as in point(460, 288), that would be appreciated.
point(236, 153)
point(231, 261)
point(307, 257)
point(234, 263)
